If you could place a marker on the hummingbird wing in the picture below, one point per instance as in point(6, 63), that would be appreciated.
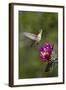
point(30, 35)
point(24, 41)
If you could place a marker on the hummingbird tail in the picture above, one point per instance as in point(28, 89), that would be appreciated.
point(32, 43)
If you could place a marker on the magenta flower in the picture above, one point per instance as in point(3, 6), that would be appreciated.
point(46, 52)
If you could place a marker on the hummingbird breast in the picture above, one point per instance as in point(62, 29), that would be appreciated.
point(38, 39)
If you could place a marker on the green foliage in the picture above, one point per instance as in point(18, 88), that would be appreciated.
point(30, 65)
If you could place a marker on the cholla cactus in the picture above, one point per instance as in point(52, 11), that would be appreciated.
point(46, 55)
point(46, 51)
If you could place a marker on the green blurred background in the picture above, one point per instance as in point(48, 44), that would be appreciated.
point(30, 65)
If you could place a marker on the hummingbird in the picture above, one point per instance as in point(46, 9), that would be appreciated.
point(34, 37)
